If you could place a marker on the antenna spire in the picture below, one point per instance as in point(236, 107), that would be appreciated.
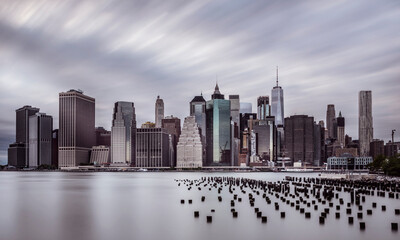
point(277, 76)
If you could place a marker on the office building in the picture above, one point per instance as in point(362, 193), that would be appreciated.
point(190, 148)
point(100, 155)
point(198, 110)
point(263, 135)
point(76, 128)
point(152, 148)
point(330, 120)
point(365, 124)
point(299, 138)
point(54, 148)
point(22, 137)
point(173, 127)
point(159, 111)
point(235, 126)
point(103, 137)
point(263, 108)
point(340, 128)
point(277, 103)
point(348, 162)
point(40, 138)
point(123, 132)
point(218, 129)
point(377, 148)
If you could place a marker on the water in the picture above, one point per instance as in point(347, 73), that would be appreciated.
point(64, 206)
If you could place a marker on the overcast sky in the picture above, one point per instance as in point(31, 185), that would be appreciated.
point(327, 51)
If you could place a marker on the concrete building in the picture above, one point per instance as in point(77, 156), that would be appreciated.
point(77, 128)
point(263, 108)
point(277, 104)
point(377, 148)
point(299, 138)
point(40, 139)
point(340, 128)
point(159, 111)
point(365, 124)
point(190, 148)
point(103, 137)
point(235, 126)
point(218, 129)
point(246, 107)
point(54, 148)
point(263, 140)
point(123, 134)
point(173, 127)
point(330, 120)
point(100, 155)
point(392, 149)
point(22, 137)
point(152, 147)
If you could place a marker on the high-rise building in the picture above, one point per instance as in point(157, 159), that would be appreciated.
point(299, 138)
point(103, 137)
point(159, 111)
point(277, 104)
point(246, 107)
point(377, 148)
point(54, 148)
point(365, 124)
point(235, 126)
point(123, 132)
point(190, 149)
point(330, 120)
point(40, 138)
point(22, 137)
point(173, 127)
point(218, 133)
point(340, 136)
point(152, 147)
point(263, 109)
point(77, 128)
point(198, 110)
point(264, 139)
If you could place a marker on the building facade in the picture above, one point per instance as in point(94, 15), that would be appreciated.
point(263, 108)
point(103, 137)
point(40, 140)
point(159, 111)
point(277, 103)
point(190, 148)
point(365, 122)
point(123, 134)
point(76, 128)
point(348, 163)
point(152, 148)
point(100, 155)
point(173, 127)
point(377, 148)
point(340, 126)
point(330, 120)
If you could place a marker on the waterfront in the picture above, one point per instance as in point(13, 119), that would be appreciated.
point(146, 205)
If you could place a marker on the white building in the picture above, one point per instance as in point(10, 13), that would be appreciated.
point(100, 155)
point(189, 149)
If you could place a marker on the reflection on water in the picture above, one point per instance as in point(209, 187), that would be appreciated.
point(41, 206)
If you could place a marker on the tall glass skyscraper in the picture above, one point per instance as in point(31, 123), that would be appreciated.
point(159, 111)
point(277, 109)
point(123, 133)
point(218, 124)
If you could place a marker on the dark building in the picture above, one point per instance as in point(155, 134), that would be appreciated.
point(16, 155)
point(103, 137)
point(263, 108)
point(377, 148)
point(392, 149)
point(152, 147)
point(319, 144)
point(77, 128)
point(54, 148)
point(22, 137)
point(40, 138)
point(218, 130)
point(299, 138)
point(173, 127)
point(330, 120)
point(265, 135)
point(244, 124)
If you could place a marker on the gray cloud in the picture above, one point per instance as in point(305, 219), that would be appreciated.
point(135, 50)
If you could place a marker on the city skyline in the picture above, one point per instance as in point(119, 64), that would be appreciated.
point(314, 71)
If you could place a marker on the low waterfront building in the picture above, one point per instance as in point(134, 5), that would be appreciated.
point(190, 148)
point(152, 147)
point(348, 162)
point(100, 155)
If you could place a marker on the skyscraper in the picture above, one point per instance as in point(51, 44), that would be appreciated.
point(235, 126)
point(190, 149)
point(123, 132)
point(365, 124)
point(173, 127)
point(77, 128)
point(330, 120)
point(198, 110)
point(20, 148)
point(218, 132)
point(263, 109)
point(299, 138)
point(159, 111)
point(40, 138)
point(277, 108)
point(340, 122)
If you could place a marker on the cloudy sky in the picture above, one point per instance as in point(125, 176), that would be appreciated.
point(327, 51)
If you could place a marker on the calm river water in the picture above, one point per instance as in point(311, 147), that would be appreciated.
point(146, 206)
